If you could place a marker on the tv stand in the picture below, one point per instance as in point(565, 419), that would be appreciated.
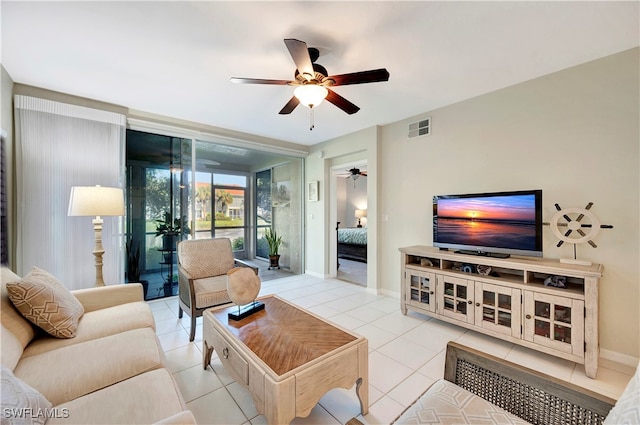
point(483, 253)
point(507, 299)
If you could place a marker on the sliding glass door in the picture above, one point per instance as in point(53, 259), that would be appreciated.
point(158, 168)
point(181, 188)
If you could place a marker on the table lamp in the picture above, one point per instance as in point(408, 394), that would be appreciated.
point(96, 201)
point(359, 215)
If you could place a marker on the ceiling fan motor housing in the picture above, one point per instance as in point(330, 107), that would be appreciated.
point(319, 77)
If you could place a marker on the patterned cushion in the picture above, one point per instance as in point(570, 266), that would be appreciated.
point(21, 404)
point(44, 301)
point(627, 408)
point(206, 257)
point(447, 403)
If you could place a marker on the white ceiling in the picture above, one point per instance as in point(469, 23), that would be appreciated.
point(176, 58)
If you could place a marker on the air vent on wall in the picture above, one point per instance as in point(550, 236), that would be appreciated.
point(420, 128)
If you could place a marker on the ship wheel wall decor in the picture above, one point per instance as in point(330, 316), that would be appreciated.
point(579, 225)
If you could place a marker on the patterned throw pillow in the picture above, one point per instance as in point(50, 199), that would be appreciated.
point(21, 404)
point(46, 303)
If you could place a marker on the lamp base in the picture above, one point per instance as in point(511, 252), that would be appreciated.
point(246, 311)
point(98, 250)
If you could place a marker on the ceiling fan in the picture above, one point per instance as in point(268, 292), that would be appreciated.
point(313, 82)
point(354, 173)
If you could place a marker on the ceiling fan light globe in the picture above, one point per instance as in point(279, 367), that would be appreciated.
point(311, 95)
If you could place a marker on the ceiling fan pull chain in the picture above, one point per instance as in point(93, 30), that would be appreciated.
point(311, 124)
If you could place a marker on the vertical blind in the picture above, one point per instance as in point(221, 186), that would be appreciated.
point(59, 146)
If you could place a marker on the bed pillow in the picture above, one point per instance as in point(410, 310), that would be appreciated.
point(46, 303)
point(21, 404)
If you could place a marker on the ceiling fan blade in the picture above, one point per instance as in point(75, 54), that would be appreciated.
point(290, 106)
point(372, 76)
point(300, 54)
point(341, 102)
point(239, 80)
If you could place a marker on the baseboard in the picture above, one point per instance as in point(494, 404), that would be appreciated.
point(392, 294)
point(617, 361)
point(318, 275)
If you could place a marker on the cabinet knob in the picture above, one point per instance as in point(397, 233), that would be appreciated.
point(431, 292)
point(225, 353)
point(528, 316)
point(469, 302)
point(477, 304)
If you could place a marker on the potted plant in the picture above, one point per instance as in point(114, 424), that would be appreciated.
point(133, 266)
point(169, 227)
point(274, 242)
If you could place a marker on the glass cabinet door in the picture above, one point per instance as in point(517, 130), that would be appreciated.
point(555, 322)
point(455, 298)
point(422, 287)
point(498, 308)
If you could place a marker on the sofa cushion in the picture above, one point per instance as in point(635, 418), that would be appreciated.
point(76, 370)
point(11, 318)
point(21, 404)
point(142, 399)
point(46, 303)
point(97, 324)
point(11, 348)
point(446, 403)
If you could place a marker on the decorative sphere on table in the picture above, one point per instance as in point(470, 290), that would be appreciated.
point(243, 285)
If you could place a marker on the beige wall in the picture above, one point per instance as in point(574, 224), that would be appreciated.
point(574, 134)
point(323, 163)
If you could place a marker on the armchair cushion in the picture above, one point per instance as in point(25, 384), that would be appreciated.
point(627, 408)
point(447, 403)
point(45, 302)
point(206, 257)
point(211, 291)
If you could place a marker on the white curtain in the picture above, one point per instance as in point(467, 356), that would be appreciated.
point(59, 146)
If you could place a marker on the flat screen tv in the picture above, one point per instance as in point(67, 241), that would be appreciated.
point(495, 224)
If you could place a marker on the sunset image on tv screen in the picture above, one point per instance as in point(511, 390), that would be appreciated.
point(507, 222)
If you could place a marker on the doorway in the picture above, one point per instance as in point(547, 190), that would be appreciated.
point(351, 237)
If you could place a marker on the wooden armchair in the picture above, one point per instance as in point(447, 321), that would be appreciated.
point(202, 275)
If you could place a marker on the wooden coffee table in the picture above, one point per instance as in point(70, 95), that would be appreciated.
point(286, 357)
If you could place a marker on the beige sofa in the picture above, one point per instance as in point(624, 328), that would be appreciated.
point(111, 372)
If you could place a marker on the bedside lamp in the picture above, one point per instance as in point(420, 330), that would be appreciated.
point(359, 215)
point(96, 201)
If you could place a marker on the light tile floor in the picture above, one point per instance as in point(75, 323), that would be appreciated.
point(352, 271)
point(406, 355)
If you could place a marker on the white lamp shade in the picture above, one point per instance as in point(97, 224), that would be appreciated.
point(361, 213)
point(96, 201)
point(310, 95)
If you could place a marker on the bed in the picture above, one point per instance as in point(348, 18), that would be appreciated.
point(352, 243)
